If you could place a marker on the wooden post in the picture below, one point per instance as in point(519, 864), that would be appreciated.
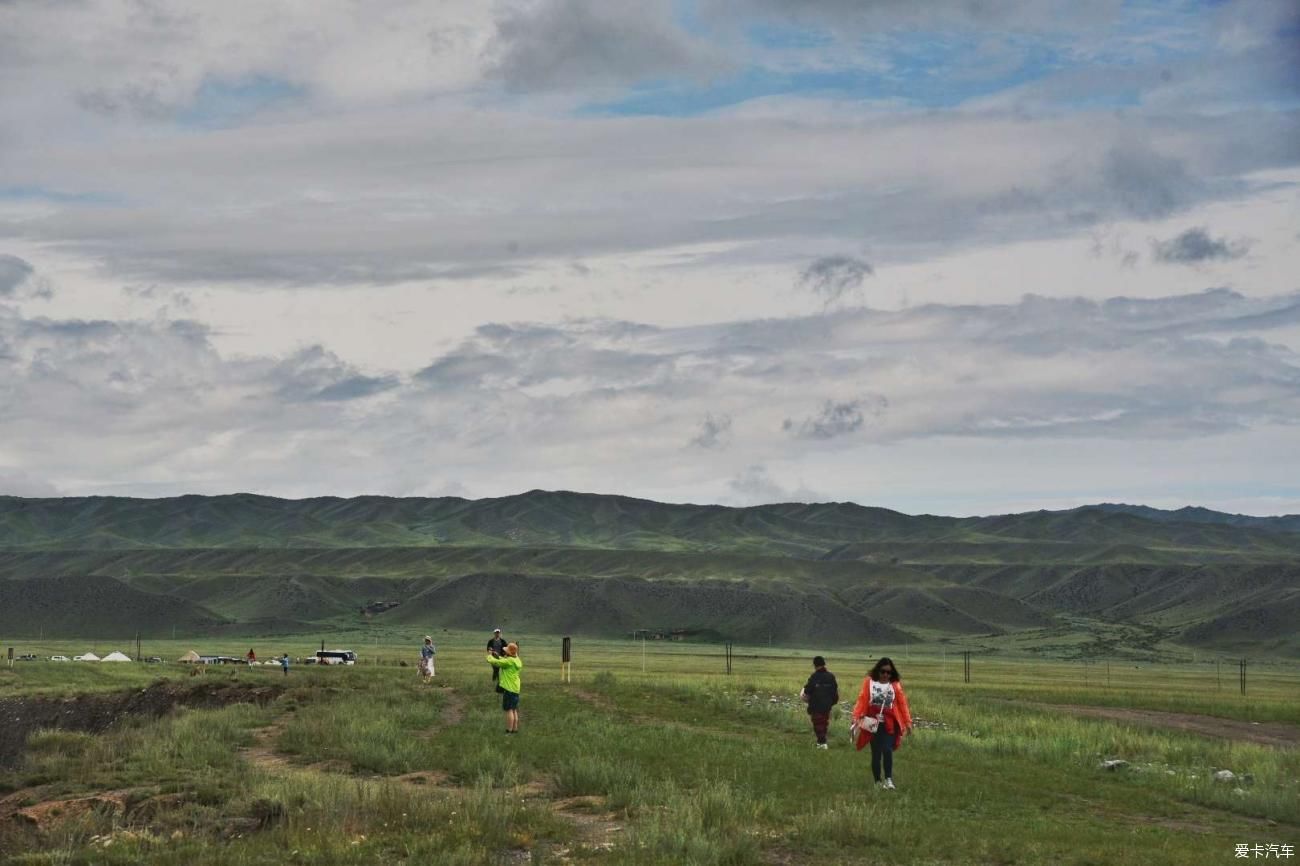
point(566, 660)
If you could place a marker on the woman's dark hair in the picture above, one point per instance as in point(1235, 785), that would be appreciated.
point(894, 675)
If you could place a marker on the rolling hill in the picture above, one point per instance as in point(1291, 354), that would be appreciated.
point(611, 564)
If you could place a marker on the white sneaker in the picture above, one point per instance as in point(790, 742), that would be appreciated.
point(889, 785)
point(823, 746)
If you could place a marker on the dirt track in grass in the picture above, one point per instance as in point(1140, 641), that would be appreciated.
point(1277, 734)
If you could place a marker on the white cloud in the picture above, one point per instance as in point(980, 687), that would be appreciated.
point(144, 406)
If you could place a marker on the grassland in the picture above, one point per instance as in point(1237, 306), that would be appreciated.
point(655, 755)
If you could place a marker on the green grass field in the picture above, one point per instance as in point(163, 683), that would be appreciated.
point(654, 757)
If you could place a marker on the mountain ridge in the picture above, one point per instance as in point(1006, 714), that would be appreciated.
point(246, 561)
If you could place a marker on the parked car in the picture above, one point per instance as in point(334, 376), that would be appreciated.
point(153, 660)
point(27, 657)
point(60, 659)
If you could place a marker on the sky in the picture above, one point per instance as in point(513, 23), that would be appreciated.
point(959, 257)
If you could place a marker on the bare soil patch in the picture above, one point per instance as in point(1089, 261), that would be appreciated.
point(96, 713)
point(44, 815)
point(1277, 734)
point(262, 753)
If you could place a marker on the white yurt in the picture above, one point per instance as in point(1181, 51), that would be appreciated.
point(88, 657)
point(190, 657)
point(116, 657)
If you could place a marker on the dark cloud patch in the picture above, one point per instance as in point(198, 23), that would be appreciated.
point(1195, 246)
point(18, 279)
point(356, 387)
point(832, 278)
point(715, 432)
point(13, 273)
point(315, 374)
point(836, 418)
point(1147, 184)
point(589, 43)
point(464, 368)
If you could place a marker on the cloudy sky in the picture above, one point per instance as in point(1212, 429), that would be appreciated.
point(957, 257)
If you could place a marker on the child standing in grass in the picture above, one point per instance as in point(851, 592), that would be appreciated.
point(427, 652)
point(882, 701)
point(508, 667)
point(821, 693)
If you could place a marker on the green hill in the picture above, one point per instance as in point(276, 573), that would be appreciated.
point(611, 564)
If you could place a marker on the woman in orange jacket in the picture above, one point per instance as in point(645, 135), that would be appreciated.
point(882, 699)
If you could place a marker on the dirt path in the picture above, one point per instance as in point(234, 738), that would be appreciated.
point(262, 753)
point(1278, 734)
point(453, 710)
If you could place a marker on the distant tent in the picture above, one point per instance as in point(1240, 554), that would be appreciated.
point(116, 657)
point(88, 657)
point(190, 658)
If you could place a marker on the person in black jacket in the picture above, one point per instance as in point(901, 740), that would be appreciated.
point(496, 647)
point(821, 693)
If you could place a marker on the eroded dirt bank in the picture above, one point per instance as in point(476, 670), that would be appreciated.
point(96, 713)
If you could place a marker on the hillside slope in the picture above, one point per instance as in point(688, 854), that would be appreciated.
point(611, 564)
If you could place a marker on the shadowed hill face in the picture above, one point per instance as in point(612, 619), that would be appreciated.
point(94, 607)
point(617, 606)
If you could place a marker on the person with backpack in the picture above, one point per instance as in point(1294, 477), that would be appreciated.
point(821, 693)
point(508, 665)
point(881, 717)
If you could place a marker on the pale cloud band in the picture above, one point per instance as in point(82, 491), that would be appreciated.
point(141, 406)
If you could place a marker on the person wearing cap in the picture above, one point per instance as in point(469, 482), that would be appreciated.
point(427, 652)
point(508, 664)
point(495, 646)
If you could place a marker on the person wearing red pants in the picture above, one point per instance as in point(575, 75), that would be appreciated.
point(821, 693)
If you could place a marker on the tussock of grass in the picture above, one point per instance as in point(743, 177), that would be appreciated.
point(375, 730)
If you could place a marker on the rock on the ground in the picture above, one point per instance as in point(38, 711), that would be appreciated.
point(1225, 776)
point(1112, 764)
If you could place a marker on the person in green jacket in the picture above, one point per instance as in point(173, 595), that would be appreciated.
point(509, 666)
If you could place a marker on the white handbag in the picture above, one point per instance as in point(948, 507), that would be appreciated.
point(867, 723)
